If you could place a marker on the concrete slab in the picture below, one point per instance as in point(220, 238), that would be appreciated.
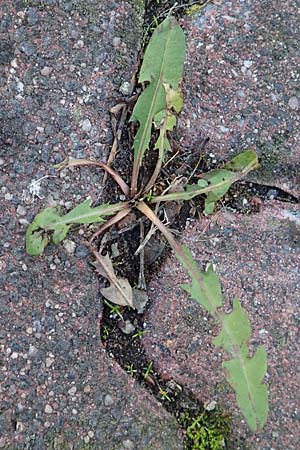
point(61, 66)
point(258, 259)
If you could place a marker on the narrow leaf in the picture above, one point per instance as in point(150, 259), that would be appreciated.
point(162, 68)
point(50, 220)
point(87, 162)
point(216, 183)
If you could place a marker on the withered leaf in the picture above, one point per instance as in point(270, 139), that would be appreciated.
point(119, 291)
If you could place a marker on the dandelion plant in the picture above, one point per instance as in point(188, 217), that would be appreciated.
point(155, 114)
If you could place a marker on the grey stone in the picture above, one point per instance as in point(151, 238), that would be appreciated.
point(140, 300)
point(48, 409)
point(32, 16)
point(126, 327)
point(86, 125)
point(82, 251)
point(46, 71)
point(128, 444)
point(27, 47)
point(6, 52)
point(294, 103)
point(21, 211)
point(108, 400)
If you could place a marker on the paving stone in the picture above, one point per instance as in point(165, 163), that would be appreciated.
point(258, 259)
point(60, 68)
point(241, 86)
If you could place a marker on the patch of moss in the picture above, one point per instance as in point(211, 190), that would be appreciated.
point(209, 430)
point(34, 3)
point(196, 8)
point(273, 151)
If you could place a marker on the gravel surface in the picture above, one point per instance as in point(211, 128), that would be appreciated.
point(61, 66)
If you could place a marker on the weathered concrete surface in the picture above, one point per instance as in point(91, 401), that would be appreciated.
point(241, 85)
point(61, 66)
point(258, 259)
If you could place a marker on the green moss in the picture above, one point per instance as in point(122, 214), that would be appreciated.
point(32, 3)
point(273, 152)
point(208, 431)
point(196, 8)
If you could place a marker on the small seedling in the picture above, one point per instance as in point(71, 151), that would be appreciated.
point(105, 333)
point(139, 334)
point(148, 370)
point(206, 431)
point(156, 112)
point(164, 395)
point(115, 310)
point(130, 369)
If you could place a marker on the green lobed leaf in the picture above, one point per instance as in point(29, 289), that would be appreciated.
point(244, 374)
point(220, 180)
point(162, 68)
point(205, 287)
point(242, 161)
point(50, 220)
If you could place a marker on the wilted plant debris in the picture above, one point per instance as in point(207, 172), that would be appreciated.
point(150, 202)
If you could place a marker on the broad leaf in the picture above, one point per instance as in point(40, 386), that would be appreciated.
point(209, 295)
point(162, 68)
point(49, 221)
point(245, 374)
point(220, 180)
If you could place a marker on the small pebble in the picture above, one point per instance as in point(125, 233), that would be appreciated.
point(49, 362)
point(116, 41)
point(72, 390)
point(108, 400)
point(46, 71)
point(86, 125)
point(126, 327)
point(33, 351)
point(87, 389)
point(125, 88)
point(48, 409)
point(294, 103)
point(69, 246)
point(29, 48)
point(128, 444)
point(248, 63)
point(20, 87)
point(210, 406)
point(21, 211)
